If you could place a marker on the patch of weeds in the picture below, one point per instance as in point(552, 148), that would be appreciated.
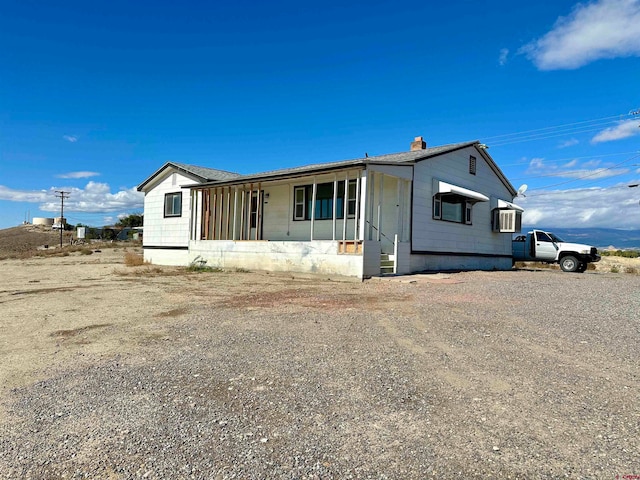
point(241, 270)
point(615, 269)
point(86, 251)
point(133, 259)
point(199, 265)
point(631, 270)
point(202, 269)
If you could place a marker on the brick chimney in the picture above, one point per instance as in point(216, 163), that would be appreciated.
point(418, 144)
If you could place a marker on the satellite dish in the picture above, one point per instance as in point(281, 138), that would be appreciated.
point(522, 189)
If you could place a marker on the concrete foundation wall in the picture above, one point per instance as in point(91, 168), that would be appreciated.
point(371, 253)
point(436, 263)
point(171, 257)
point(403, 258)
point(319, 257)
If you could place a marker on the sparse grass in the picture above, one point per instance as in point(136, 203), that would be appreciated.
point(631, 270)
point(86, 251)
point(133, 259)
point(194, 268)
point(615, 269)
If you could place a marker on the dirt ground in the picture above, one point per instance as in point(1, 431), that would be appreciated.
point(523, 374)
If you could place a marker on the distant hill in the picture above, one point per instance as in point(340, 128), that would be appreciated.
point(17, 240)
point(598, 237)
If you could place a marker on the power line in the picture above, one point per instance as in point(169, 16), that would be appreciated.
point(597, 172)
point(573, 128)
point(502, 165)
point(563, 125)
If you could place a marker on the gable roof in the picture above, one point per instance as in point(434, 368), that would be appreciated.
point(213, 177)
point(202, 174)
point(388, 159)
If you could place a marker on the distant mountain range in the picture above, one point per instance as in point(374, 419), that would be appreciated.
point(597, 237)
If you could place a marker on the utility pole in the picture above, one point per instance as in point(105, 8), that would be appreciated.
point(61, 195)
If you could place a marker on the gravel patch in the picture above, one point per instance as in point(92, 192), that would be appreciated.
point(471, 375)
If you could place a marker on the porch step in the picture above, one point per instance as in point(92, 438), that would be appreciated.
point(387, 263)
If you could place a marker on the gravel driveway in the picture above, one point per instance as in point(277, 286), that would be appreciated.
point(523, 374)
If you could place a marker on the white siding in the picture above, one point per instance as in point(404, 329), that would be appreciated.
point(172, 231)
point(278, 222)
point(441, 236)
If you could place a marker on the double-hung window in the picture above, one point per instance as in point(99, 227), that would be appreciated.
point(173, 204)
point(303, 201)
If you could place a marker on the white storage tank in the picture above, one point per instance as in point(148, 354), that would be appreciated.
point(43, 221)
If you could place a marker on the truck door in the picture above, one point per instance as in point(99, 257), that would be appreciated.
point(546, 250)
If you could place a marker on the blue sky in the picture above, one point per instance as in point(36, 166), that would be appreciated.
point(96, 96)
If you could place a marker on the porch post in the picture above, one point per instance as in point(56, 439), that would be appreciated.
point(313, 207)
point(191, 222)
point(214, 214)
point(345, 202)
point(235, 211)
point(362, 197)
point(249, 201)
point(258, 213)
point(226, 236)
point(242, 213)
point(221, 213)
point(335, 205)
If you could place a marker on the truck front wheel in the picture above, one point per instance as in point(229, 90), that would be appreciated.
point(569, 263)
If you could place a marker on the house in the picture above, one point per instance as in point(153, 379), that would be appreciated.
point(438, 208)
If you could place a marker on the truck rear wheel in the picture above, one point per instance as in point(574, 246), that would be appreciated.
point(569, 263)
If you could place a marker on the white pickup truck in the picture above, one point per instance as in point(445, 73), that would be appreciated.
point(539, 246)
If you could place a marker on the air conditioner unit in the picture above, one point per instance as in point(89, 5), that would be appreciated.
point(506, 221)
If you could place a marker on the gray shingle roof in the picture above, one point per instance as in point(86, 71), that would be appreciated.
point(392, 158)
point(203, 174)
point(207, 174)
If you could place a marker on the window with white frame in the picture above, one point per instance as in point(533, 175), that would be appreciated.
point(452, 208)
point(173, 204)
point(303, 201)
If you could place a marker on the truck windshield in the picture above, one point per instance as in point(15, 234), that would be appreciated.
point(555, 238)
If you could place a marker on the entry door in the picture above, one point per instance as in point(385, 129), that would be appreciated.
point(545, 248)
point(256, 213)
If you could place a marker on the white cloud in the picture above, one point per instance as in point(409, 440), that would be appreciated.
point(613, 207)
point(569, 143)
point(592, 31)
point(94, 198)
point(504, 55)
point(70, 138)
point(625, 129)
point(573, 169)
point(78, 175)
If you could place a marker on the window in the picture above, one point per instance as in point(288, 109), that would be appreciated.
point(299, 210)
point(472, 165)
point(173, 204)
point(452, 208)
point(543, 237)
point(303, 201)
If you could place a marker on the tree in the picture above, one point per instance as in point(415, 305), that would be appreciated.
point(132, 220)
